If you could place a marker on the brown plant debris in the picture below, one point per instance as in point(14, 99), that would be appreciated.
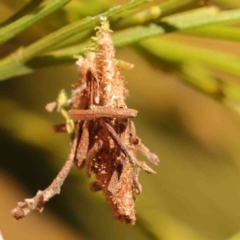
point(105, 140)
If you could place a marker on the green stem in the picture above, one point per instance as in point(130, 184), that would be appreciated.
point(190, 68)
point(157, 12)
point(75, 39)
point(229, 33)
point(188, 63)
point(24, 10)
point(46, 43)
point(159, 48)
point(197, 19)
point(177, 53)
point(123, 38)
point(202, 80)
point(176, 6)
point(11, 30)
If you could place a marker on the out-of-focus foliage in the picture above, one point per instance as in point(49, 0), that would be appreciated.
point(196, 193)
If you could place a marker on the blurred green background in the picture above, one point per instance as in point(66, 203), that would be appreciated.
point(195, 194)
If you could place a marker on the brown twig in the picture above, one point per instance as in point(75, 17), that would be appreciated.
point(42, 197)
point(90, 156)
point(91, 114)
point(82, 148)
point(124, 150)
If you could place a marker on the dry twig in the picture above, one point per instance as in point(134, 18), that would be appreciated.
point(41, 197)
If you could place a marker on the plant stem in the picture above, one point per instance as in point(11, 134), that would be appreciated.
point(49, 41)
point(185, 53)
point(229, 33)
point(156, 12)
point(197, 76)
point(189, 65)
point(24, 10)
point(22, 55)
point(202, 80)
point(121, 38)
point(11, 30)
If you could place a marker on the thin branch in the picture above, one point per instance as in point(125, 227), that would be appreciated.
point(91, 114)
point(124, 149)
point(42, 197)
